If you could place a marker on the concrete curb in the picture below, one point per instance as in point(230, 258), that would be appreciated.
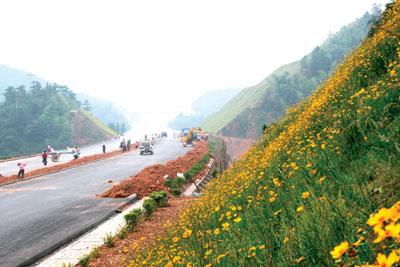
point(41, 258)
point(67, 240)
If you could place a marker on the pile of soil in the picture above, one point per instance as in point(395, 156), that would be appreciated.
point(60, 167)
point(146, 232)
point(152, 178)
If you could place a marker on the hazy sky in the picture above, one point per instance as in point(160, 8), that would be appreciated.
point(162, 54)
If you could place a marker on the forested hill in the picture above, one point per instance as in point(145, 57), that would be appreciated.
point(32, 119)
point(246, 114)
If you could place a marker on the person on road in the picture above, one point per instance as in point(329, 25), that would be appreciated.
point(128, 144)
point(50, 149)
point(104, 148)
point(76, 152)
point(21, 171)
point(44, 157)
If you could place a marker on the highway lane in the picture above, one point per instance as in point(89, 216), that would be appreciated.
point(10, 167)
point(37, 214)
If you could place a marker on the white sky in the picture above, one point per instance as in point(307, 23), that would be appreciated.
point(162, 54)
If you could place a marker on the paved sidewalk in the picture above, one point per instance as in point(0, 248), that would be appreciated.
point(71, 254)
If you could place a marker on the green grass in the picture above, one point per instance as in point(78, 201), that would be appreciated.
point(98, 123)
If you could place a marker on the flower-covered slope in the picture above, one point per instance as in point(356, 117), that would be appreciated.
point(312, 180)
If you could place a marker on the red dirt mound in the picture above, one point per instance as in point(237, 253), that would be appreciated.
point(152, 178)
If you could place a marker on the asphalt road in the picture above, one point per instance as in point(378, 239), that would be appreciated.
point(9, 167)
point(39, 213)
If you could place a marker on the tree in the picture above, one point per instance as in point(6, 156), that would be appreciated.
point(86, 106)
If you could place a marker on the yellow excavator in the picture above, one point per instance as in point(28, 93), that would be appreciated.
point(190, 136)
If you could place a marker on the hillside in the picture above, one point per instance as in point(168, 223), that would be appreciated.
point(106, 111)
point(203, 106)
point(311, 181)
point(245, 115)
point(32, 119)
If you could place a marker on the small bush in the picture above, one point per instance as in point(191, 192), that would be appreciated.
point(160, 197)
point(109, 241)
point(187, 176)
point(95, 253)
point(149, 206)
point(175, 183)
point(123, 232)
point(176, 191)
point(132, 218)
point(84, 260)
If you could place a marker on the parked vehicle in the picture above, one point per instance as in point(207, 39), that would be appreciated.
point(146, 148)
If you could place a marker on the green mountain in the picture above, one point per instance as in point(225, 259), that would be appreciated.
point(32, 119)
point(202, 107)
point(246, 114)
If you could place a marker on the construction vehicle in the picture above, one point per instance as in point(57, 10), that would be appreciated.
point(190, 136)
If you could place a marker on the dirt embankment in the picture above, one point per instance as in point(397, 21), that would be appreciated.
point(85, 131)
point(60, 167)
point(236, 147)
point(152, 178)
point(144, 235)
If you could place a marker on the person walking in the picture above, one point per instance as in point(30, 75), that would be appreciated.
point(104, 148)
point(44, 157)
point(21, 171)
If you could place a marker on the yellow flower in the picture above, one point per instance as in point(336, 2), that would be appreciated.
point(300, 209)
point(391, 231)
point(322, 179)
point(305, 195)
point(176, 259)
point(359, 242)
point(225, 226)
point(175, 239)
point(298, 260)
point(238, 219)
point(285, 240)
point(380, 217)
point(272, 199)
point(339, 250)
point(276, 182)
point(217, 231)
point(383, 261)
point(323, 146)
point(187, 233)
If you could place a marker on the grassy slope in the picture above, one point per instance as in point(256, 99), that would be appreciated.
point(87, 129)
point(311, 181)
point(98, 123)
point(247, 97)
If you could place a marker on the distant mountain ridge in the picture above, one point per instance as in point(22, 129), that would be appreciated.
point(245, 114)
point(203, 106)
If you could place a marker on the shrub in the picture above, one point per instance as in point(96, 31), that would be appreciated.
point(123, 232)
point(132, 218)
point(176, 191)
point(84, 260)
point(175, 183)
point(149, 206)
point(187, 176)
point(109, 241)
point(160, 197)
